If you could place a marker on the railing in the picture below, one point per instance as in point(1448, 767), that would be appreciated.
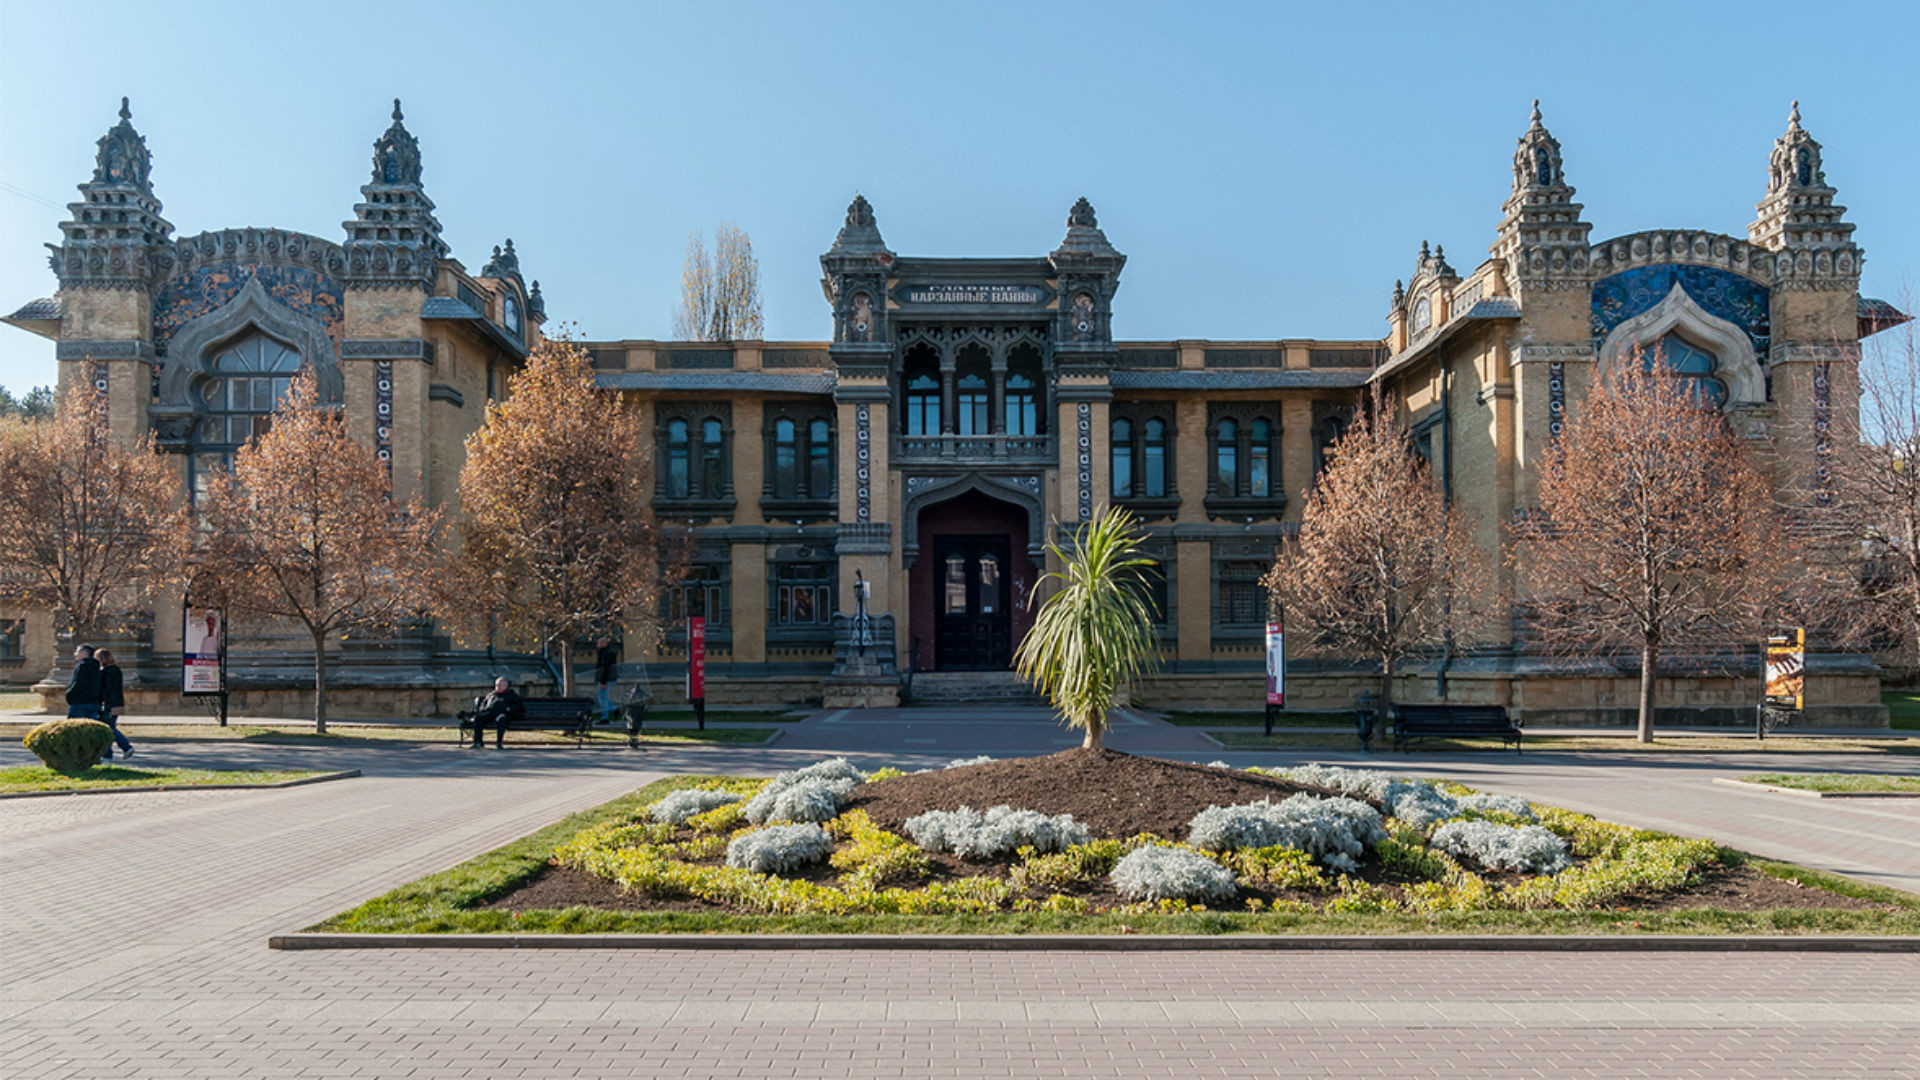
point(974, 447)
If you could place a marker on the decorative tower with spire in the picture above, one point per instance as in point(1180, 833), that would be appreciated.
point(1798, 211)
point(115, 237)
point(855, 278)
point(394, 240)
point(1089, 272)
point(1542, 238)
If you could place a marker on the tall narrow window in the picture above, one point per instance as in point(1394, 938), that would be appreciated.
point(819, 460)
point(678, 471)
point(249, 377)
point(1023, 409)
point(1156, 459)
point(1243, 599)
point(1259, 484)
point(786, 458)
point(923, 403)
point(1122, 452)
point(713, 483)
point(1226, 456)
point(971, 397)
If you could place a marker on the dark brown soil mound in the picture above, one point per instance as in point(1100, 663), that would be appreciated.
point(1114, 794)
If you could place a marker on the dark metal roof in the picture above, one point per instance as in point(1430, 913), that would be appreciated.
point(1875, 316)
point(454, 309)
point(1242, 379)
point(812, 382)
point(46, 307)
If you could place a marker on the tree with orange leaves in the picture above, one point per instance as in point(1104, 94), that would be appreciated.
point(92, 527)
point(1383, 567)
point(559, 540)
point(1654, 534)
point(304, 528)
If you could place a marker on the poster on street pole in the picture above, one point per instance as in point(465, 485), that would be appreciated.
point(696, 658)
point(200, 638)
point(1276, 665)
point(1787, 669)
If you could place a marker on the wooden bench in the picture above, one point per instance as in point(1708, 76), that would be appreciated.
point(569, 716)
point(1449, 721)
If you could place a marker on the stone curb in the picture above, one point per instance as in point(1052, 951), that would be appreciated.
point(1107, 943)
point(320, 779)
point(1817, 794)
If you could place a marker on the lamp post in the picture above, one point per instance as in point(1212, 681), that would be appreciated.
point(862, 624)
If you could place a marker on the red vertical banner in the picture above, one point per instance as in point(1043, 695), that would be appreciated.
point(696, 658)
point(1276, 664)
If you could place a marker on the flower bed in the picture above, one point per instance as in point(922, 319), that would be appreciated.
point(1441, 849)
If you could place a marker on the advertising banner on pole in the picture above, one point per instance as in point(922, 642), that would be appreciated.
point(200, 637)
point(1787, 669)
point(696, 658)
point(1276, 665)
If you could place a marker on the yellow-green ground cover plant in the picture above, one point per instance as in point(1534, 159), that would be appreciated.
point(867, 879)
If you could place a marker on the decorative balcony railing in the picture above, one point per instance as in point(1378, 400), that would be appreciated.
point(1021, 448)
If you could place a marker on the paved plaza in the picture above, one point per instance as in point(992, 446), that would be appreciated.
point(133, 942)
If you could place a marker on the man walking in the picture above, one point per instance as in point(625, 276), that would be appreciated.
point(606, 663)
point(83, 689)
point(501, 707)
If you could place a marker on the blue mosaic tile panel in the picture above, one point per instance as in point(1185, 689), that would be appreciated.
point(187, 297)
point(1721, 293)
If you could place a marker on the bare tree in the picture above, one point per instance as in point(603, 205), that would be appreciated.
point(1383, 566)
point(1654, 533)
point(304, 528)
point(1874, 478)
point(719, 294)
point(92, 528)
point(559, 539)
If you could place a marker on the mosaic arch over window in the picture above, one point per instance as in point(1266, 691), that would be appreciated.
point(1721, 293)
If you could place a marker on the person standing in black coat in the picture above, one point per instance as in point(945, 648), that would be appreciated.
point(83, 689)
point(113, 698)
point(606, 665)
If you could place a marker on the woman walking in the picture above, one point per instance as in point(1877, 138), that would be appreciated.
point(113, 698)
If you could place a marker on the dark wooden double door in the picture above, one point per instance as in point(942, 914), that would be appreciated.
point(973, 626)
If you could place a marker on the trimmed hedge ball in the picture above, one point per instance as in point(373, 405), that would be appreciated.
point(69, 746)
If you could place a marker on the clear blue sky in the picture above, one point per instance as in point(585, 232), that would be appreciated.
point(1270, 169)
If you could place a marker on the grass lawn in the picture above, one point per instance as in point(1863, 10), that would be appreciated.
point(1837, 781)
point(1383, 742)
point(11, 701)
point(41, 778)
point(451, 902)
point(1903, 707)
point(1259, 719)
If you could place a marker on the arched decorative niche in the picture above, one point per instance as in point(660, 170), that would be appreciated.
point(1021, 491)
point(191, 353)
point(1678, 314)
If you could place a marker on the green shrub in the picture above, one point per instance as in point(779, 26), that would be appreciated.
point(69, 746)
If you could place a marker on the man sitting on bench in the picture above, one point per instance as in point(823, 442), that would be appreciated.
point(503, 706)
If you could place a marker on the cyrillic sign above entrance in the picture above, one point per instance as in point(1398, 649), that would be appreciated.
point(973, 294)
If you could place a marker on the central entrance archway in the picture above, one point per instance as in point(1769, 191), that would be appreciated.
point(969, 586)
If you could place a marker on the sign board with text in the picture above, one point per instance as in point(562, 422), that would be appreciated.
point(1787, 669)
point(1276, 665)
point(696, 658)
point(202, 632)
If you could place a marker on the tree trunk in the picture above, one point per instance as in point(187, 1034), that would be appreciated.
point(1649, 662)
point(320, 684)
point(1386, 687)
point(1096, 732)
point(566, 666)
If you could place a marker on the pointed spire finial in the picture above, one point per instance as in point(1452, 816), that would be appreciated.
point(1536, 112)
point(1425, 251)
point(397, 117)
point(126, 111)
point(1793, 118)
point(1082, 215)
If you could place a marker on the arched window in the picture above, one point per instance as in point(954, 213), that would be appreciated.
point(786, 459)
point(819, 459)
point(510, 315)
point(973, 405)
point(1121, 441)
point(677, 461)
point(1025, 409)
point(1156, 459)
point(249, 377)
point(923, 392)
point(1259, 452)
point(1693, 364)
point(713, 459)
point(1226, 458)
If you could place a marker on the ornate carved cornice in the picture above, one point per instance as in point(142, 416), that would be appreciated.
point(281, 247)
point(387, 349)
point(1689, 246)
point(104, 349)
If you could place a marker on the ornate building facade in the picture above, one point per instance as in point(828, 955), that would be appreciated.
point(965, 410)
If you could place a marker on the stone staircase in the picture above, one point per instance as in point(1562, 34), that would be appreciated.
point(999, 689)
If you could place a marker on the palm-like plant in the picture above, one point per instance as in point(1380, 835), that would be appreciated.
point(1094, 635)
